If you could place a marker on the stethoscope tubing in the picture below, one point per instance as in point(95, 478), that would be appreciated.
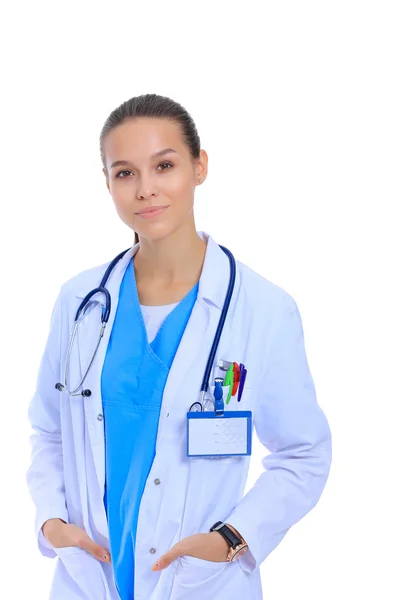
point(106, 314)
point(221, 323)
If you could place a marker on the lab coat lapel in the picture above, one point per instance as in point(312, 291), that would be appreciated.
point(197, 338)
point(188, 350)
point(201, 327)
point(87, 337)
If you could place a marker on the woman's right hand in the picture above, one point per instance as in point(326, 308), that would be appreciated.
point(62, 535)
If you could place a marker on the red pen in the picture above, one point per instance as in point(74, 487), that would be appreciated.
point(236, 378)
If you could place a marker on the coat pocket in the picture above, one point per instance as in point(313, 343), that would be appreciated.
point(68, 550)
point(204, 564)
point(197, 579)
point(85, 571)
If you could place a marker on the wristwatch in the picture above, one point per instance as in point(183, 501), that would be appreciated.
point(237, 545)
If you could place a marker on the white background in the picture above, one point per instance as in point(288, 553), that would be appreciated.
point(297, 104)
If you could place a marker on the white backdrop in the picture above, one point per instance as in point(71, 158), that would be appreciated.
point(297, 105)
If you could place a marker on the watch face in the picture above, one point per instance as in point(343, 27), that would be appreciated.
point(236, 554)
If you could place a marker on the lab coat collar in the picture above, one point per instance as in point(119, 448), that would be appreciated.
point(215, 274)
point(213, 280)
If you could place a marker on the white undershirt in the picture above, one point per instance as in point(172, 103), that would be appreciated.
point(154, 316)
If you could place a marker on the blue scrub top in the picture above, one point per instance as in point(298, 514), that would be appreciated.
point(132, 385)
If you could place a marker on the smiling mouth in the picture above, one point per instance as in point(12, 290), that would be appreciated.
point(150, 212)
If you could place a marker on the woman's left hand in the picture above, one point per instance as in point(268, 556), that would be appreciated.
point(207, 546)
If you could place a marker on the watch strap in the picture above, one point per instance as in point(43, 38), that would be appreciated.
point(227, 533)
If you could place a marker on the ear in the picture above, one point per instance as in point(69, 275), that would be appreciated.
point(202, 166)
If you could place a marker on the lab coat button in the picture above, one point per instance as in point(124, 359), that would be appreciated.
point(153, 550)
point(100, 417)
point(157, 481)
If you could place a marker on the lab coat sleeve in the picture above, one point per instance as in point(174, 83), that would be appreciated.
point(292, 426)
point(45, 474)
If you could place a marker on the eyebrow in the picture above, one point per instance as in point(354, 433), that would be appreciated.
point(119, 163)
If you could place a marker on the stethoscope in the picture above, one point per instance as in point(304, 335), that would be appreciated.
point(196, 406)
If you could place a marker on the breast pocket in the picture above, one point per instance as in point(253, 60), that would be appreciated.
point(233, 403)
point(245, 400)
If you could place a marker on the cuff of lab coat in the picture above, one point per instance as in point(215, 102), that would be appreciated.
point(248, 561)
point(44, 546)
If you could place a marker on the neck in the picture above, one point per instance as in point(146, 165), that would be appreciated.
point(175, 259)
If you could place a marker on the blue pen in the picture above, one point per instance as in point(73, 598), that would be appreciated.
point(243, 373)
point(241, 382)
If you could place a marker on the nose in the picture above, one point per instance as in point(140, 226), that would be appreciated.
point(146, 186)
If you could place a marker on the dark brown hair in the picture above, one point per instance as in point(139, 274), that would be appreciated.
point(152, 106)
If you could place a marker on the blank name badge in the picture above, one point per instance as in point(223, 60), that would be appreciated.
point(209, 434)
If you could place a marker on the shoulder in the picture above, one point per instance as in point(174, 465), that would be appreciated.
point(263, 294)
point(84, 281)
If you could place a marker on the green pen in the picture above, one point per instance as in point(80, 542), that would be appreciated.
point(229, 381)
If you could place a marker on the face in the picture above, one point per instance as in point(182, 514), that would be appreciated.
point(149, 165)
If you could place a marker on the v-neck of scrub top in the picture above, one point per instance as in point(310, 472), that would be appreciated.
point(132, 383)
point(154, 316)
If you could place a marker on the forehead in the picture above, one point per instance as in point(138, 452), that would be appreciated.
point(138, 139)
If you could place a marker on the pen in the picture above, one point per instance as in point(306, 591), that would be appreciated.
point(242, 381)
point(229, 381)
point(236, 378)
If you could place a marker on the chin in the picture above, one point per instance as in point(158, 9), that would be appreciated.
point(155, 236)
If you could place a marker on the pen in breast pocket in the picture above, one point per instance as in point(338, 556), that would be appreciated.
point(236, 378)
point(229, 381)
point(243, 373)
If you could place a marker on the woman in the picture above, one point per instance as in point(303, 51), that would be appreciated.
point(113, 467)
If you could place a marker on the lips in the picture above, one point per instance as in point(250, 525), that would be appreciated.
point(150, 210)
point(152, 213)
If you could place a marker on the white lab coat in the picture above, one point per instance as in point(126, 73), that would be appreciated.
point(66, 478)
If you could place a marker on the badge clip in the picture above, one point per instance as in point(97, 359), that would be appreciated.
point(218, 397)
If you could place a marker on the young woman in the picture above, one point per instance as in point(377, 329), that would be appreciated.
point(139, 464)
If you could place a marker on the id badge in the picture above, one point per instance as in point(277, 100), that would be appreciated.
point(210, 434)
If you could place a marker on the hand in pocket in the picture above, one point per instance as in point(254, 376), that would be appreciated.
point(64, 535)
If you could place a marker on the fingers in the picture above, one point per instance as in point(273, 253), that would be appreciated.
point(165, 560)
point(96, 550)
point(63, 535)
point(102, 554)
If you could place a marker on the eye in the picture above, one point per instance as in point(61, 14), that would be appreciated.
point(164, 164)
point(120, 173)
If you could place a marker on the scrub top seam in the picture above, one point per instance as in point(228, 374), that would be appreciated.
point(180, 305)
point(138, 310)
